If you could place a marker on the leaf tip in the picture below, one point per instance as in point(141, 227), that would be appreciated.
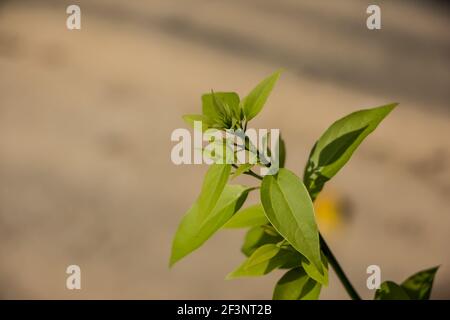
point(174, 258)
point(230, 276)
point(391, 106)
point(279, 71)
point(172, 262)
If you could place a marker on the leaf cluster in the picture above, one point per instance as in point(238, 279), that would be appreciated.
point(282, 229)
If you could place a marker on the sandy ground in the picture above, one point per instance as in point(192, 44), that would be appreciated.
point(86, 118)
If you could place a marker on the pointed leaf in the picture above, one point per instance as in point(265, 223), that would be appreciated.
point(391, 291)
point(335, 147)
point(290, 210)
point(296, 285)
point(299, 260)
point(213, 208)
point(265, 259)
point(191, 118)
point(419, 285)
point(254, 102)
point(195, 230)
point(249, 217)
point(257, 237)
point(311, 270)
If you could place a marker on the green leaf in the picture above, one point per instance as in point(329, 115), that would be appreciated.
point(294, 260)
point(416, 287)
point(334, 150)
point(221, 108)
point(312, 271)
point(296, 285)
point(254, 102)
point(335, 147)
point(241, 169)
point(194, 230)
point(263, 260)
point(215, 205)
point(391, 291)
point(299, 260)
point(191, 118)
point(248, 217)
point(419, 285)
point(257, 237)
point(289, 208)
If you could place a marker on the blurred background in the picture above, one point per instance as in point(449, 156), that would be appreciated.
point(86, 117)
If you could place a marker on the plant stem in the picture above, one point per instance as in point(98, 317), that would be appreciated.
point(251, 173)
point(331, 259)
point(337, 268)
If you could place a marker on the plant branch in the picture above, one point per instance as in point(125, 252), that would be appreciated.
point(331, 259)
point(339, 271)
point(253, 174)
point(250, 173)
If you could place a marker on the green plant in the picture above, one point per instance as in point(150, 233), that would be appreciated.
point(282, 231)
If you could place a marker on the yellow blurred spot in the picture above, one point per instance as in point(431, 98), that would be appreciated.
point(328, 212)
